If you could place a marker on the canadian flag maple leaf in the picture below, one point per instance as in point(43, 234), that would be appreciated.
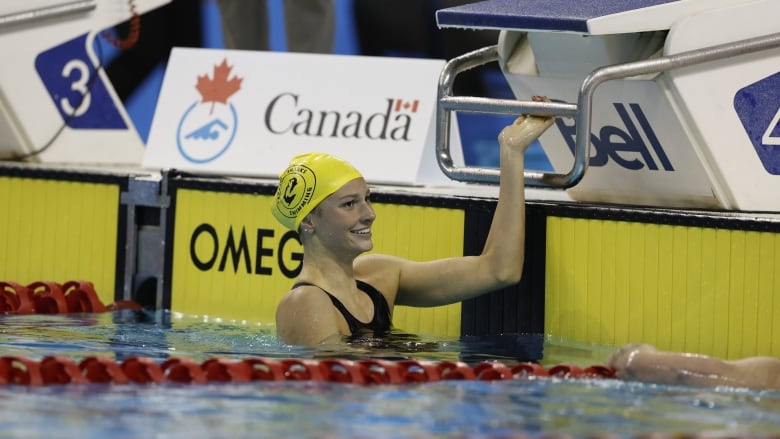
point(220, 88)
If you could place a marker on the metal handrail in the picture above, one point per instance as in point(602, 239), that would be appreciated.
point(582, 111)
point(47, 12)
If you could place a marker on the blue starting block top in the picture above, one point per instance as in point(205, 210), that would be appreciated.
point(579, 16)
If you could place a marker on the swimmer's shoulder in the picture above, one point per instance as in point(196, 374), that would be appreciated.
point(304, 296)
point(305, 316)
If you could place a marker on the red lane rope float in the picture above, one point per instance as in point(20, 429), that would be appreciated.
point(15, 370)
point(16, 298)
point(81, 297)
point(143, 370)
point(20, 370)
point(61, 370)
point(103, 370)
point(47, 297)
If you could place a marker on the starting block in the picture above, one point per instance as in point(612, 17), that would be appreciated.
point(669, 103)
point(56, 102)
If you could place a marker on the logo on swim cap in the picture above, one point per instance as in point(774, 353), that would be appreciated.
point(296, 187)
point(309, 179)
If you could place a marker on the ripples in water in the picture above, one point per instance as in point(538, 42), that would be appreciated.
point(578, 408)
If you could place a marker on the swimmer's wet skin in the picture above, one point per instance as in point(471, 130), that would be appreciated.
point(328, 203)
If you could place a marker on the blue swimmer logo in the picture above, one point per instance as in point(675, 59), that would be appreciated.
point(210, 131)
point(208, 126)
point(758, 108)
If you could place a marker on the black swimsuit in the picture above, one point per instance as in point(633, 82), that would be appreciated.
point(381, 322)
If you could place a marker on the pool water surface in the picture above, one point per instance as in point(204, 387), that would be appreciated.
point(471, 408)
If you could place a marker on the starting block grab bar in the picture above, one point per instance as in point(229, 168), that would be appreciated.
point(582, 111)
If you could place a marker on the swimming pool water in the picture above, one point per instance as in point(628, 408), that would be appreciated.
point(576, 407)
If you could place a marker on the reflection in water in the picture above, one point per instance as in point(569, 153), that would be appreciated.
point(162, 335)
point(578, 408)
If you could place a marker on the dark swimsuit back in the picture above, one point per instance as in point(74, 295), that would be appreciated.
point(381, 322)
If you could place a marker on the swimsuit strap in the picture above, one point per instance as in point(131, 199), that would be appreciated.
point(381, 321)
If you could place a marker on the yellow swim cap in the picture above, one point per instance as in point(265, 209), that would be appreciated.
point(308, 180)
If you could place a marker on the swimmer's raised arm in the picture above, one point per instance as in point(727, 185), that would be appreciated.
point(500, 264)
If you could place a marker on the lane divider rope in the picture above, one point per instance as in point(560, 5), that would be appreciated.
point(76, 296)
point(56, 369)
point(47, 297)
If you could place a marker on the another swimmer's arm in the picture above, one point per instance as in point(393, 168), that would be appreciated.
point(645, 363)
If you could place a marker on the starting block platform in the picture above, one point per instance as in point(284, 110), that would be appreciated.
point(662, 103)
point(592, 17)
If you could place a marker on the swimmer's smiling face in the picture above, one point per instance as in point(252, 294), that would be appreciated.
point(343, 220)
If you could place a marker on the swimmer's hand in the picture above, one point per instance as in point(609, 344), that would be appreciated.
point(525, 129)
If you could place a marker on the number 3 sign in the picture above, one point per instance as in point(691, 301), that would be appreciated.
point(78, 93)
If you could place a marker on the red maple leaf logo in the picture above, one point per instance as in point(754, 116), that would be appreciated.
point(220, 88)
